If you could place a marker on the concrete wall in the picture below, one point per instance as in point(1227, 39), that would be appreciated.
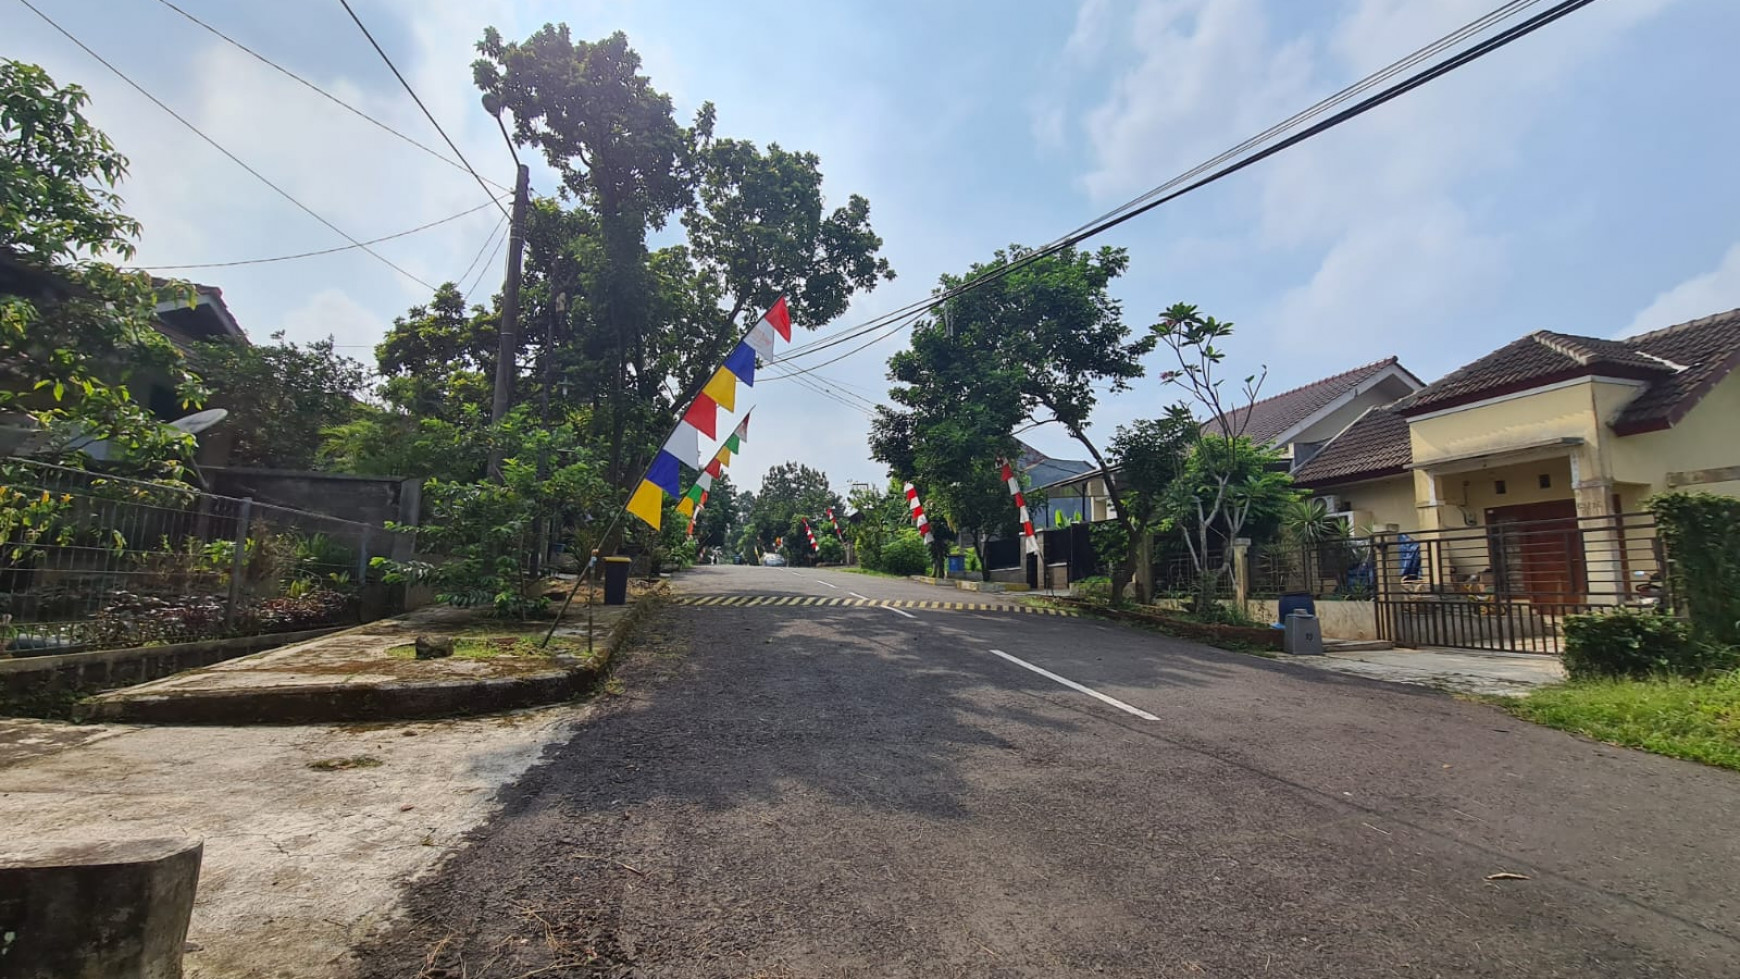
point(1707, 438)
point(1377, 503)
point(371, 500)
point(1335, 620)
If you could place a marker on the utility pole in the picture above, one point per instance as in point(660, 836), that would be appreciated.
point(510, 314)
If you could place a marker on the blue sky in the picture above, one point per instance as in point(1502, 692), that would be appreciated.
point(1580, 180)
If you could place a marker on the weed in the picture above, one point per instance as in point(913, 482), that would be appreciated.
point(1690, 719)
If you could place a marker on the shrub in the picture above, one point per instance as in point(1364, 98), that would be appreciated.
point(1702, 534)
point(1628, 643)
point(1095, 589)
point(905, 554)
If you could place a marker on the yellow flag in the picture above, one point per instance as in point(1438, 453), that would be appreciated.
point(647, 503)
point(723, 389)
point(723, 455)
point(686, 506)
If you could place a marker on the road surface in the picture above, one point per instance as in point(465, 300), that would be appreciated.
point(863, 790)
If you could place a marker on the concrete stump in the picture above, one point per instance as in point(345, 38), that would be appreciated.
point(433, 647)
point(96, 910)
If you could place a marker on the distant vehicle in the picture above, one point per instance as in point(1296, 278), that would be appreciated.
point(773, 561)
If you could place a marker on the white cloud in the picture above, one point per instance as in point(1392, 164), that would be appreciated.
point(331, 313)
point(1715, 291)
point(1207, 75)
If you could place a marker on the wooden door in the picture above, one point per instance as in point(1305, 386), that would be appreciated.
point(1537, 551)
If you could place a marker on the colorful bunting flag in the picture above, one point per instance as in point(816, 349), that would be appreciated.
point(1029, 541)
point(683, 447)
point(686, 506)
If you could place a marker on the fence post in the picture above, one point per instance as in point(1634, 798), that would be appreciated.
point(238, 560)
point(1242, 573)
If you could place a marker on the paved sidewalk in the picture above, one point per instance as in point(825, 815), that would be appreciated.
point(1458, 670)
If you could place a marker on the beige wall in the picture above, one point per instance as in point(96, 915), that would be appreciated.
point(1335, 620)
point(1375, 503)
point(1707, 438)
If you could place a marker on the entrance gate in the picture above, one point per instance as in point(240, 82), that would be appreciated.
point(1508, 584)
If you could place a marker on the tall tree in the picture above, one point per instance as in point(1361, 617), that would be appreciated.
point(74, 328)
point(790, 492)
point(618, 147)
point(439, 358)
point(1151, 455)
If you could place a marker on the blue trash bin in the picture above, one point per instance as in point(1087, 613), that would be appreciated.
point(957, 564)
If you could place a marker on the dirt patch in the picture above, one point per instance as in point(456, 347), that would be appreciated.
point(345, 764)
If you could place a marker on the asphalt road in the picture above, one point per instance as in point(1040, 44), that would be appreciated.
point(853, 791)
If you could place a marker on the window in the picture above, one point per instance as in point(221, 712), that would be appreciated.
point(1498, 486)
point(1546, 481)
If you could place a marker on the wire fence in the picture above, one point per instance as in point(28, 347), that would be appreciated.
point(96, 561)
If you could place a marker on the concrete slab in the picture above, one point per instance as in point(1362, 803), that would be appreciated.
point(302, 859)
point(1459, 670)
point(350, 676)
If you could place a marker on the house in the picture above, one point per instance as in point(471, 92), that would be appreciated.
point(1064, 484)
point(1551, 426)
point(1298, 423)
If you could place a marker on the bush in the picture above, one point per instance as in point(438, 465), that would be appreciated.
point(1095, 589)
point(905, 555)
point(1702, 535)
point(1627, 643)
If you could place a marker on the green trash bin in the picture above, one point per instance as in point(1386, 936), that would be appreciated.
point(616, 580)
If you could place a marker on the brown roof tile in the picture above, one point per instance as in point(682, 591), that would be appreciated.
point(1376, 444)
point(1271, 417)
point(1679, 364)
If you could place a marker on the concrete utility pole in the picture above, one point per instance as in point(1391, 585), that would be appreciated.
point(510, 313)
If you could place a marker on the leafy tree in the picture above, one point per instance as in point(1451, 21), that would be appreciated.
point(75, 330)
point(790, 493)
point(1150, 455)
point(281, 397)
point(720, 514)
point(1029, 342)
point(439, 359)
point(1229, 483)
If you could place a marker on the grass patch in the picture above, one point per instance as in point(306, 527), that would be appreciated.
point(867, 572)
point(345, 764)
point(1695, 720)
point(492, 644)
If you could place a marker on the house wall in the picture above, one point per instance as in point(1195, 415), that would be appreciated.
point(1336, 422)
point(1376, 503)
point(1707, 438)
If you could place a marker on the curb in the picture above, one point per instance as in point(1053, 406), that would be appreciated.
point(328, 703)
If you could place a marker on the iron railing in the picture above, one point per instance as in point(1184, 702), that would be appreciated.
point(1509, 585)
point(90, 560)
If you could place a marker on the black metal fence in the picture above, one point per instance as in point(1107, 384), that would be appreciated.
point(1339, 568)
point(1509, 585)
point(89, 560)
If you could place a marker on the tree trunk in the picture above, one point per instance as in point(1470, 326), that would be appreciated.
point(1143, 572)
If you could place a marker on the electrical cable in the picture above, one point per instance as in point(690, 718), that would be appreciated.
point(1148, 201)
point(480, 250)
point(323, 251)
point(324, 93)
point(257, 175)
point(487, 263)
point(414, 97)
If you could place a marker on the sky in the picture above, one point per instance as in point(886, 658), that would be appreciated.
point(1579, 180)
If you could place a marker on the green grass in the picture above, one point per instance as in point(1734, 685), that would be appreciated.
point(1695, 720)
point(865, 571)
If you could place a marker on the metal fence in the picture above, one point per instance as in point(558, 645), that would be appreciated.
point(1338, 568)
point(90, 560)
point(1509, 585)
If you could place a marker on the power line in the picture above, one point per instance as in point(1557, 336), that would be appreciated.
point(323, 93)
point(1149, 200)
point(257, 175)
point(323, 251)
point(414, 97)
point(488, 262)
point(480, 249)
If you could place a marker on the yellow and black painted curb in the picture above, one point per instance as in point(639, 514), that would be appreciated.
point(769, 601)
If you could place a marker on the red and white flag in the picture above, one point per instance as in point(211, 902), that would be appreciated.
point(918, 517)
point(1029, 541)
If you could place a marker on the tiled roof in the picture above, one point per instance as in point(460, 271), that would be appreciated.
point(1374, 445)
point(1272, 417)
point(1708, 349)
point(1043, 470)
point(1679, 364)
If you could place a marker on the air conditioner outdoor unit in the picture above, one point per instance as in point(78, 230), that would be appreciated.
point(1331, 503)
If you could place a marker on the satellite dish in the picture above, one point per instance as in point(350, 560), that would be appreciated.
point(199, 421)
